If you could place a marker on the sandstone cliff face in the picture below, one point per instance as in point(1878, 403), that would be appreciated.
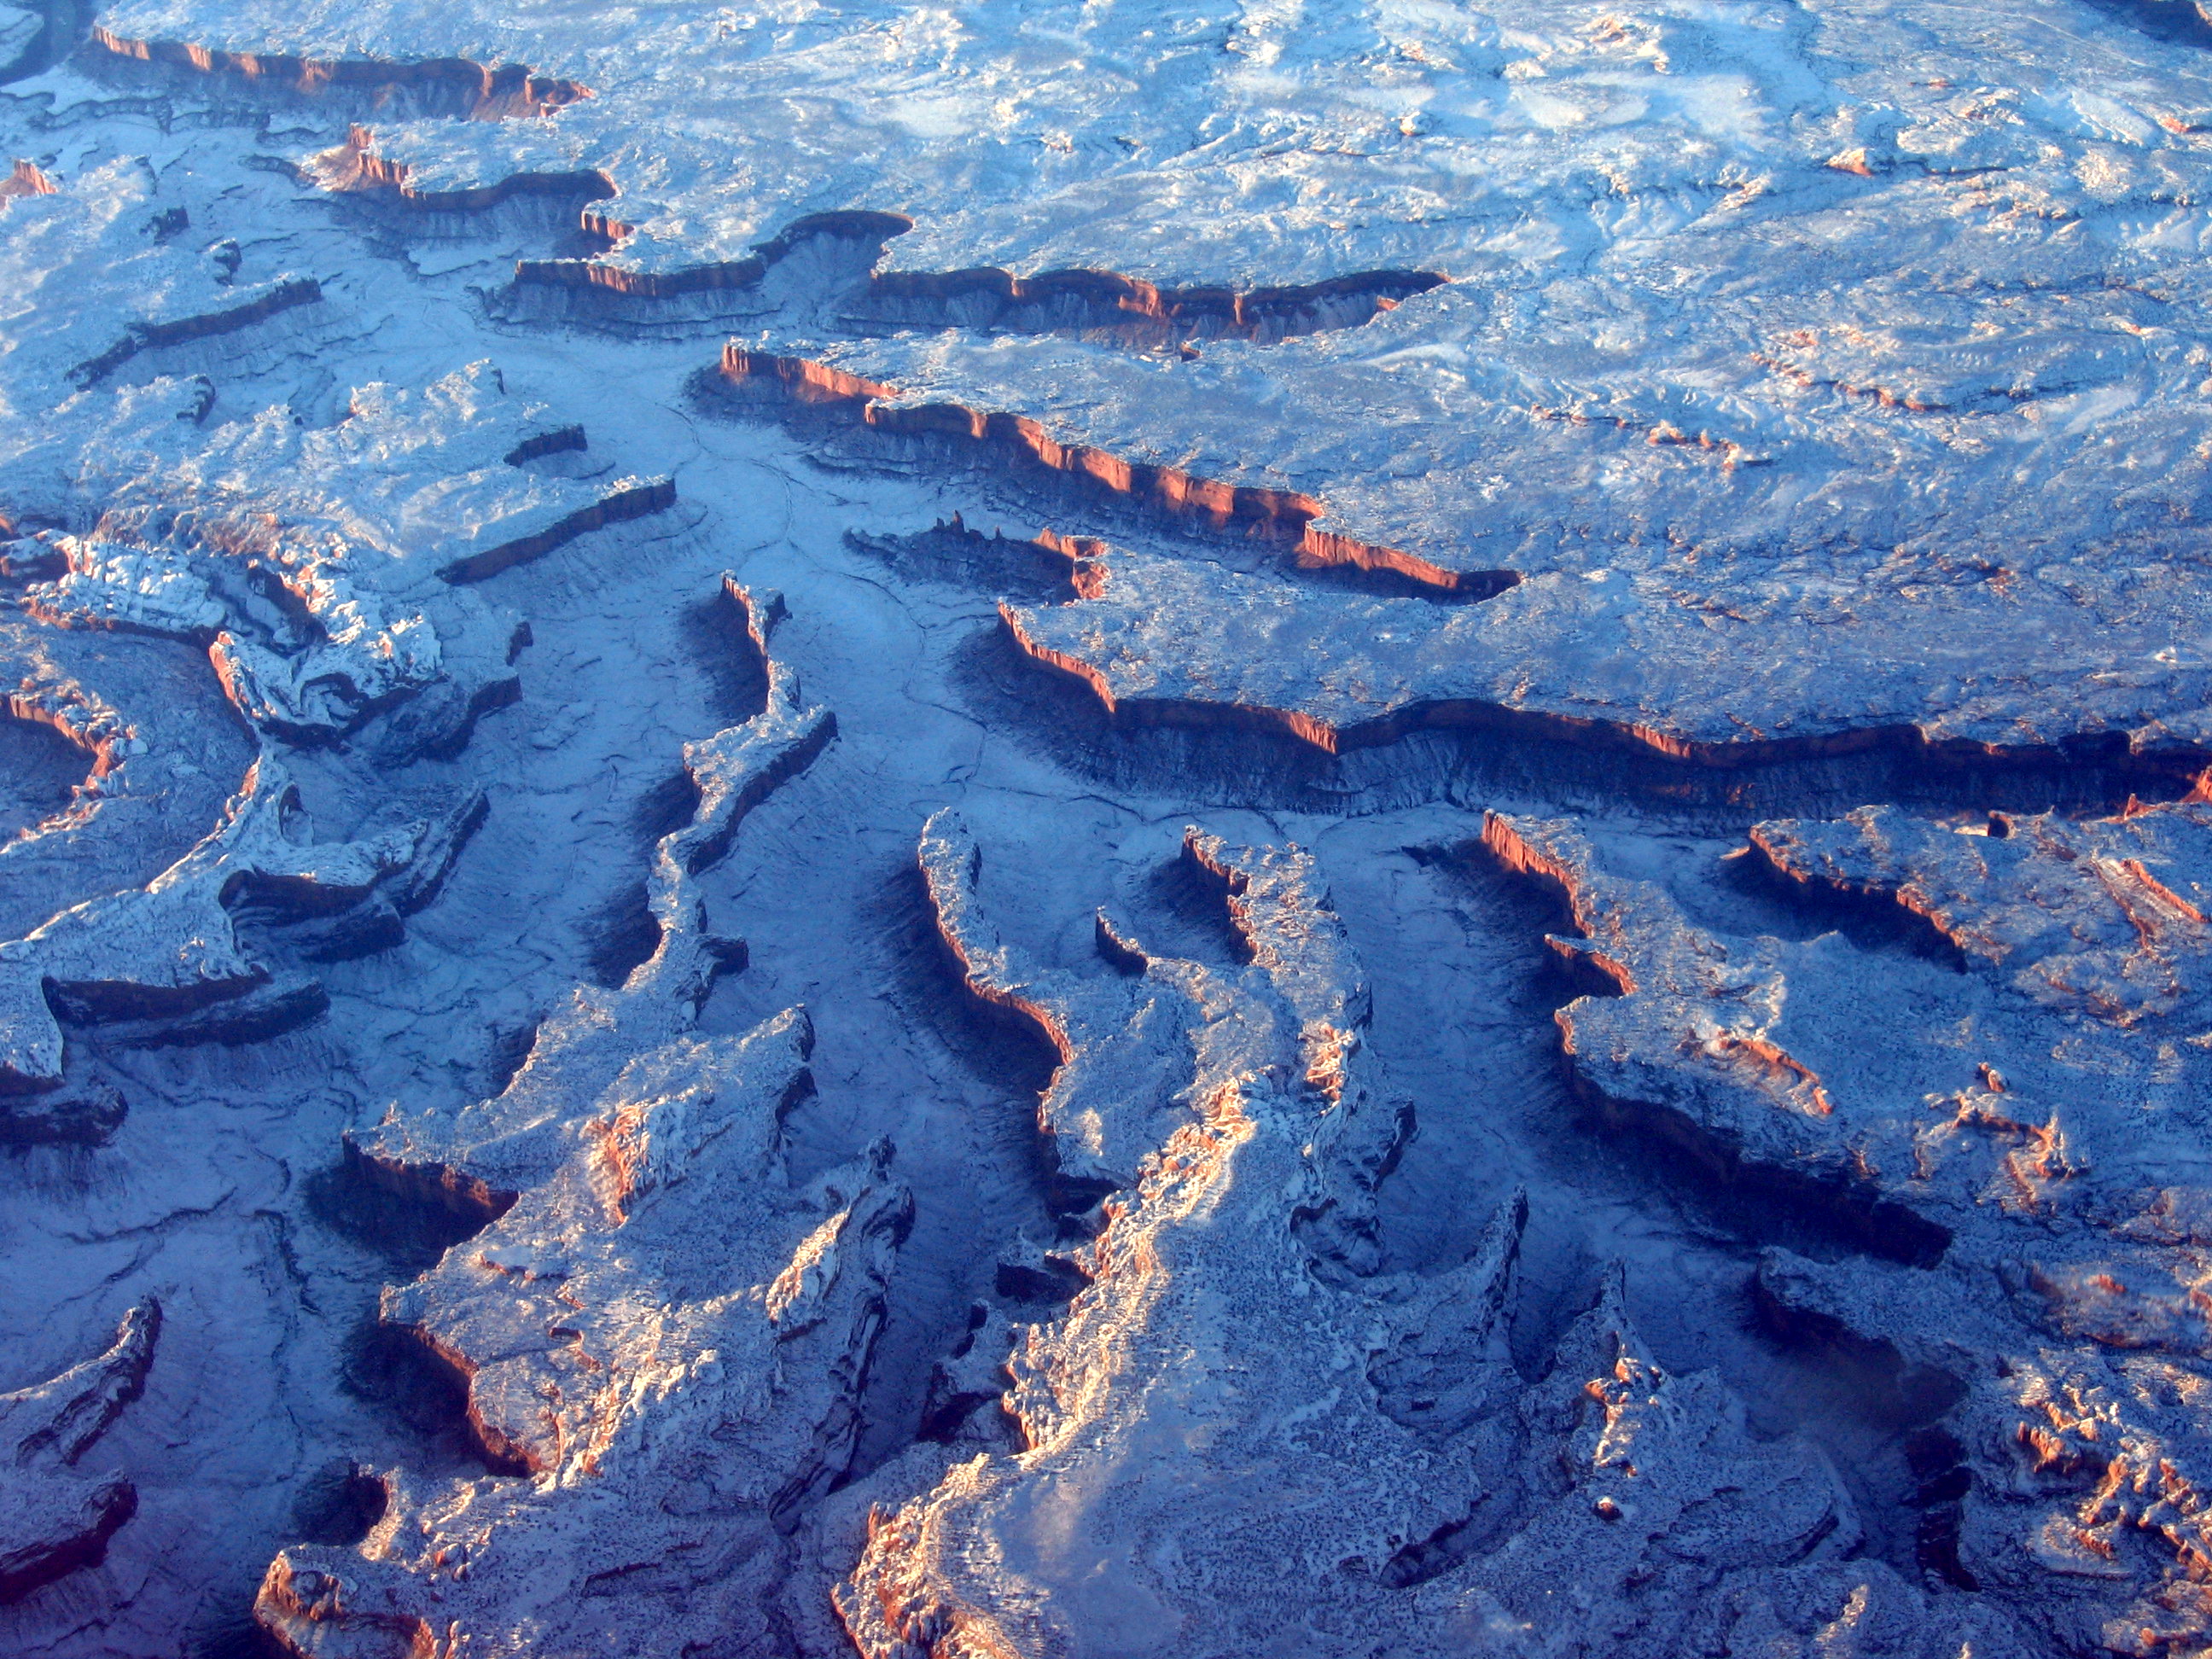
point(1137, 1044)
point(173, 962)
point(660, 1338)
point(1465, 430)
point(662, 1344)
point(1207, 1324)
point(2043, 1172)
point(326, 603)
point(1222, 1405)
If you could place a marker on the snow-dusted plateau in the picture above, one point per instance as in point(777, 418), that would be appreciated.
point(1371, 829)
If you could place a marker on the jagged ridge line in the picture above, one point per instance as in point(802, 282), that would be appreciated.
point(2182, 766)
point(365, 170)
point(282, 296)
point(635, 499)
point(1287, 514)
point(500, 90)
point(1110, 296)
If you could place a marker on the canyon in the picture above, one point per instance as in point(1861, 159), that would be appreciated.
point(1078, 830)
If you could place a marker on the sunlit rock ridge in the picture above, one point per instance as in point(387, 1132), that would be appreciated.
point(1024, 831)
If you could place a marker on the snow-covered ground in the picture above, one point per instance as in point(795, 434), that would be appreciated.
point(1517, 479)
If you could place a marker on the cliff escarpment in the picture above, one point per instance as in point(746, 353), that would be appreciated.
point(453, 87)
point(1278, 515)
point(989, 299)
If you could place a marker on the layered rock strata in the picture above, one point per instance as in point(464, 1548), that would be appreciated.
point(1813, 380)
point(314, 563)
point(1744, 568)
point(1132, 1040)
point(662, 1340)
point(56, 1520)
point(456, 85)
point(1287, 516)
point(1225, 1443)
point(317, 566)
point(2030, 1122)
point(994, 300)
point(184, 959)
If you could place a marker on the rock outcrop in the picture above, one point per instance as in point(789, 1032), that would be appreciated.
point(1742, 582)
point(54, 1519)
point(455, 86)
point(317, 566)
point(1170, 492)
point(1691, 1043)
point(1137, 1043)
point(2057, 961)
point(183, 959)
point(663, 1346)
point(1227, 1444)
point(2105, 917)
point(662, 1341)
point(1636, 418)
